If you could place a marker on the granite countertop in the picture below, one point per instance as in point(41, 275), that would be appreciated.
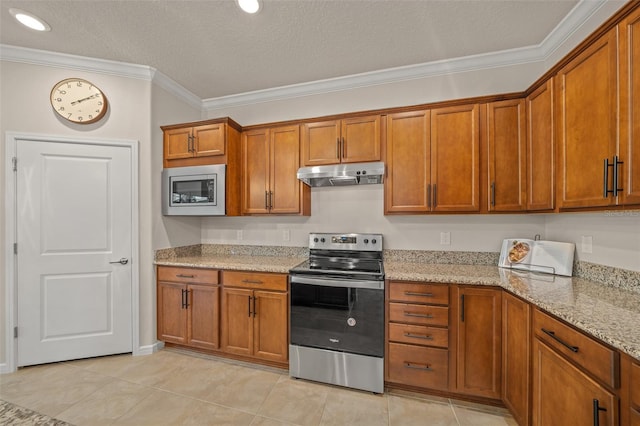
point(608, 313)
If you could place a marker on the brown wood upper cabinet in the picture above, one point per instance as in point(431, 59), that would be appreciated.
point(194, 144)
point(507, 165)
point(350, 140)
point(629, 48)
point(432, 160)
point(540, 149)
point(586, 120)
point(270, 161)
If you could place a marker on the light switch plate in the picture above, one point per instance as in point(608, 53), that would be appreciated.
point(445, 238)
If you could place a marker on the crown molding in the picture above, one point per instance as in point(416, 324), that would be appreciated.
point(99, 66)
point(530, 54)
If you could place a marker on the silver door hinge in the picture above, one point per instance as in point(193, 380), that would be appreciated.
point(15, 248)
point(14, 162)
point(15, 332)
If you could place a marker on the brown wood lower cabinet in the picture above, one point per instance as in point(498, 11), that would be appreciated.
point(254, 321)
point(188, 312)
point(418, 366)
point(516, 359)
point(563, 394)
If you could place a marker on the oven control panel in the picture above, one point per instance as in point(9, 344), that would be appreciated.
point(357, 242)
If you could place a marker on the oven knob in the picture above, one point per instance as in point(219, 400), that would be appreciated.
point(366, 241)
point(315, 240)
point(373, 241)
point(364, 172)
point(322, 240)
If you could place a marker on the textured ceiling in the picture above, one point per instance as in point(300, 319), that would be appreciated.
point(213, 49)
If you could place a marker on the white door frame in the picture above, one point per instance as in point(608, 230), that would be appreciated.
point(10, 296)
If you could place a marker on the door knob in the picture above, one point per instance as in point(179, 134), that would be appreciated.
point(122, 261)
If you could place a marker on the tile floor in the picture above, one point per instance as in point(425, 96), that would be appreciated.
point(173, 387)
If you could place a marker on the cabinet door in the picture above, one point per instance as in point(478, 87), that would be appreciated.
point(563, 395)
point(408, 160)
point(629, 180)
point(203, 314)
point(284, 195)
point(360, 139)
point(321, 143)
point(507, 155)
point(586, 116)
point(210, 139)
point(479, 349)
point(516, 332)
point(270, 337)
point(237, 321)
point(540, 149)
point(455, 158)
point(177, 144)
point(172, 315)
point(255, 171)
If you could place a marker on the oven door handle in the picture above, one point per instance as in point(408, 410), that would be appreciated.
point(335, 282)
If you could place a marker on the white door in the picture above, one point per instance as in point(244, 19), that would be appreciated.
point(74, 213)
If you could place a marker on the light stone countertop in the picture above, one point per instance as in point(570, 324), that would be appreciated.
point(608, 313)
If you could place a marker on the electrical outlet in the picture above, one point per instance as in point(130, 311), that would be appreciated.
point(587, 244)
point(239, 234)
point(286, 235)
point(445, 238)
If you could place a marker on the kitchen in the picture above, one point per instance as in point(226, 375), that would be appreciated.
point(615, 234)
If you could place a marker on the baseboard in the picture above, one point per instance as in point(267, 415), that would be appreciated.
point(148, 349)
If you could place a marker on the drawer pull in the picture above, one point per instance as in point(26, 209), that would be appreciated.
point(413, 293)
point(411, 314)
point(252, 281)
point(419, 336)
point(418, 366)
point(185, 276)
point(552, 334)
point(596, 412)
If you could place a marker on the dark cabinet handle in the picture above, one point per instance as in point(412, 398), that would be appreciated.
point(419, 336)
point(246, 281)
point(493, 194)
point(183, 303)
point(344, 149)
point(429, 196)
point(411, 314)
point(596, 412)
point(462, 308)
point(616, 163)
point(552, 334)
point(185, 276)
point(412, 293)
point(337, 147)
point(249, 305)
point(186, 299)
point(254, 307)
point(418, 366)
point(435, 195)
point(270, 200)
point(266, 200)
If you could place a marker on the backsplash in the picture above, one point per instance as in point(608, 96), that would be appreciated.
point(607, 275)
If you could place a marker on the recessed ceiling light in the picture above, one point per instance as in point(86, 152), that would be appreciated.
point(249, 6)
point(29, 20)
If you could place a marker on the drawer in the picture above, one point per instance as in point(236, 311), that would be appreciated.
point(419, 335)
point(187, 275)
point(419, 314)
point(603, 363)
point(634, 394)
point(418, 366)
point(419, 293)
point(255, 280)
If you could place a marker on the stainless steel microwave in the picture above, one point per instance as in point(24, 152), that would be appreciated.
point(194, 191)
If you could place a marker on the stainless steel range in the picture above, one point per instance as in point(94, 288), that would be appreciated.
point(337, 312)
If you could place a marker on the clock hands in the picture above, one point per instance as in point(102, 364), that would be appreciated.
point(84, 99)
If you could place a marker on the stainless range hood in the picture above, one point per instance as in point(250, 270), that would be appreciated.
point(342, 174)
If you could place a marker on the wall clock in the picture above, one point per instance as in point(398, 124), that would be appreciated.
point(79, 101)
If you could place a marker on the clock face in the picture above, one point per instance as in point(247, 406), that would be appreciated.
point(78, 101)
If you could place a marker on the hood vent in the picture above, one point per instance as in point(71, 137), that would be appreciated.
point(342, 174)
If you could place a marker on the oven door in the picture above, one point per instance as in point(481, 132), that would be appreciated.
point(338, 314)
